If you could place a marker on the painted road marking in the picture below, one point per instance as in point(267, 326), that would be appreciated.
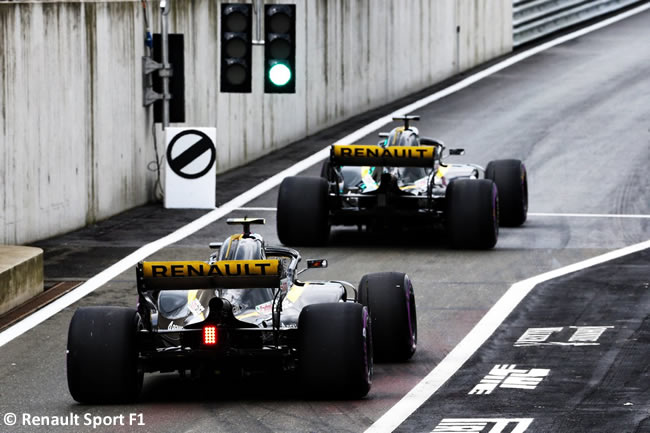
point(140, 254)
point(479, 335)
point(509, 376)
point(582, 336)
point(583, 380)
point(258, 209)
point(588, 333)
point(484, 425)
point(588, 215)
point(536, 336)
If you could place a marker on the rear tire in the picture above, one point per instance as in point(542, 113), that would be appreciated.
point(335, 343)
point(303, 213)
point(472, 213)
point(324, 169)
point(391, 302)
point(102, 355)
point(512, 181)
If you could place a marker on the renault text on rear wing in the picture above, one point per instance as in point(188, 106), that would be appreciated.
point(226, 274)
point(391, 156)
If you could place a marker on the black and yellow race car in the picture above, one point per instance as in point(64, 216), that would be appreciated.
point(404, 181)
point(243, 311)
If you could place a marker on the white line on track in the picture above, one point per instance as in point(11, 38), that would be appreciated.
point(537, 214)
point(589, 215)
point(477, 336)
point(132, 259)
point(258, 209)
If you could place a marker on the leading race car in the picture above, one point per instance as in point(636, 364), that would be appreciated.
point(243, 311)
point(404, 180)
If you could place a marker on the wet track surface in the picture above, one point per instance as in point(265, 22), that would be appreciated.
point(578, 116)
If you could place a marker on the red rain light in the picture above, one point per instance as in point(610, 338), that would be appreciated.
point(209, 335)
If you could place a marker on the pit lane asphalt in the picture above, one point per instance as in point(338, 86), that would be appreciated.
point(576, 114)
point(572, 357)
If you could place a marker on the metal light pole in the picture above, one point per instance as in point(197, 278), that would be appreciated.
point(257, 8)
point(166, 71)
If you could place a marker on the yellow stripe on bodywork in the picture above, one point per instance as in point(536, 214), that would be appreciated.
point(442, 171)
point(398, 131)
point(247, 315)
point(230, 241)
point(191, 296)
point(295, 292)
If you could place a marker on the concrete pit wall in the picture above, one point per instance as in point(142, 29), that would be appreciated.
point(21, 275)
point(75, 140)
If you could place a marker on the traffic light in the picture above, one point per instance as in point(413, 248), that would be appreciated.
point(280, 48)
point(236, 44)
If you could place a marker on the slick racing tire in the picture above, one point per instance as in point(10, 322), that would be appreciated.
point(303, 214)
point(472, 213)
point(512, 182)
point(391, 302)
point(335, 344)
point(102, 355)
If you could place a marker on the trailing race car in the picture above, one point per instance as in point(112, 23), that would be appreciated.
point(243, 311)
point(403, 180)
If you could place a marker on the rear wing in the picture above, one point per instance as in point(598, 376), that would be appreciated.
point(391, 156)
point(226, 274)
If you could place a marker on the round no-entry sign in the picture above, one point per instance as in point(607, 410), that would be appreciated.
point(186, 154)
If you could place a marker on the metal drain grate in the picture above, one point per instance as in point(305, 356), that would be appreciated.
point(53, 290)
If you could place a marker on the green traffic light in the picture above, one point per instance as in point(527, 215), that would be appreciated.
point(279, 74)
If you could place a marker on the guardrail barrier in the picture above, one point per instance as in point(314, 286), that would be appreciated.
point(533, 19)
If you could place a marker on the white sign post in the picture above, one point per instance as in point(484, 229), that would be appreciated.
point(190, 176)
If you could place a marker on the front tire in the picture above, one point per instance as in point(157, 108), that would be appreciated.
point(335, 343)
point(102, 355)
point(303, 213)
point(512, 181)
point(391, 302)
point(472, 213)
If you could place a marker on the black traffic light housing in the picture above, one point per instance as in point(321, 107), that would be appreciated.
point(236, 47)
point(280, 48)
point(176, 81)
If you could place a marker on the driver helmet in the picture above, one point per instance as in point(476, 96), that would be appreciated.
point(403, 137)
